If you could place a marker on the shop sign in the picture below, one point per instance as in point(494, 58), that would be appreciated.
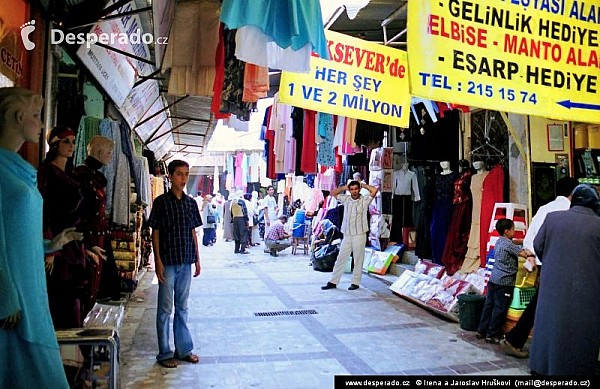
point(163, 12)
point(15, 30)
point(531, 57)
point(115, 72)
point(363, 80)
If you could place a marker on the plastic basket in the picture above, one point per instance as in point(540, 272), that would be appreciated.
point(522, 297)
point(525, 278)
point(514, 314)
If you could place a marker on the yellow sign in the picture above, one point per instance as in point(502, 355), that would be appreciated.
point(537, 57)
point(362, 80)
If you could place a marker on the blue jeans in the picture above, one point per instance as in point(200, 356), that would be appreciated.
point(208, 236)
point(177, 283)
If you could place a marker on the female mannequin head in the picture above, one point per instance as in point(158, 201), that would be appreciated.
point(61, 140)
point(445, 167)
point(19, 117)
point(479, 166)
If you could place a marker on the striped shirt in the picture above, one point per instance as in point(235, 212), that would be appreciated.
point(175, 219)
point(506, 263)
point(355, 214)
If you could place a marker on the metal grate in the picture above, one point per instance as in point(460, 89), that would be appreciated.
point(287, 313)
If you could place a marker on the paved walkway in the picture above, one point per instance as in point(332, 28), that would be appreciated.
point(366, 331)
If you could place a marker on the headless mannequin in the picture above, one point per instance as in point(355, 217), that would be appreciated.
point(472, 258)
point(406, 191)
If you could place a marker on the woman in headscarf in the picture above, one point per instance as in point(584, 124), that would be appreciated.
point(255, 236)
point(65, 271)
point(227, 220)
point(208, 221)
point(565, 339)
point(252, 212)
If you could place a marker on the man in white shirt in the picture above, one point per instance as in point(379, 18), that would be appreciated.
point(270, 207)
point(517, 337)
point(354, 228)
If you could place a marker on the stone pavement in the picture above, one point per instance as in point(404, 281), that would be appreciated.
point(366, 331)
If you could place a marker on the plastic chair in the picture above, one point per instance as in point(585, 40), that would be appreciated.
point(516, 212)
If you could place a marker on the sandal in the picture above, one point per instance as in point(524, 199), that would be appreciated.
point(191, 358)
point(492, 340)
point(168, 363)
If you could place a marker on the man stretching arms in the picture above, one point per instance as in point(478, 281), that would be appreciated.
point(354, 228)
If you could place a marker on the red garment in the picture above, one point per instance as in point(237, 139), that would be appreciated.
point(493, 192)
point(270, 138)
point(309, 148)
point(219, 78)
point(460, 225)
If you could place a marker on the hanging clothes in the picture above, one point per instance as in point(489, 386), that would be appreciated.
point(472, 260)
point(233, 82)
point(88, 128)
point(442, 213)
point(289, 158)
point(369, 134)
point(298, 26)
point(192, 48)
point(298, 133)
point(406, 191)
point(309, 148)
point(326, 155)
point(219, 76)
point(458, 232)
point(239, 170)
point(493, 192)
point(256, 83)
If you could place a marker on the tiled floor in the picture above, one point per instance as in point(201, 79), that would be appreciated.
point(367, 331)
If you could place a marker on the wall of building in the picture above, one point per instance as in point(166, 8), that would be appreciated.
point(538, 134)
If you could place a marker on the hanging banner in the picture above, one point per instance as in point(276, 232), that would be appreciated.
point(362, 80)
point(536, 57)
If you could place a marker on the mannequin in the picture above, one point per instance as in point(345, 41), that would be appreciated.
point(66, 271)
point(406, 190)
point(94, 222)
point(442, 210)
point(458, 232)
point(29, 352)
point(472, 259)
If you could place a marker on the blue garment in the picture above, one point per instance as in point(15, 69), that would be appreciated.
point(23, 281)
point(175, 219)
point(108, 127)
point(291, 23)
point(442, 214)
point(326, 155)
point(174, 289)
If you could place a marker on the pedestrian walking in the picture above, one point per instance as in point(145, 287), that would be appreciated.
point(565, 338)
point(516, 338)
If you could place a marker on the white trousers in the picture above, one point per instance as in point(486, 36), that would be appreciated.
point(350, 244)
